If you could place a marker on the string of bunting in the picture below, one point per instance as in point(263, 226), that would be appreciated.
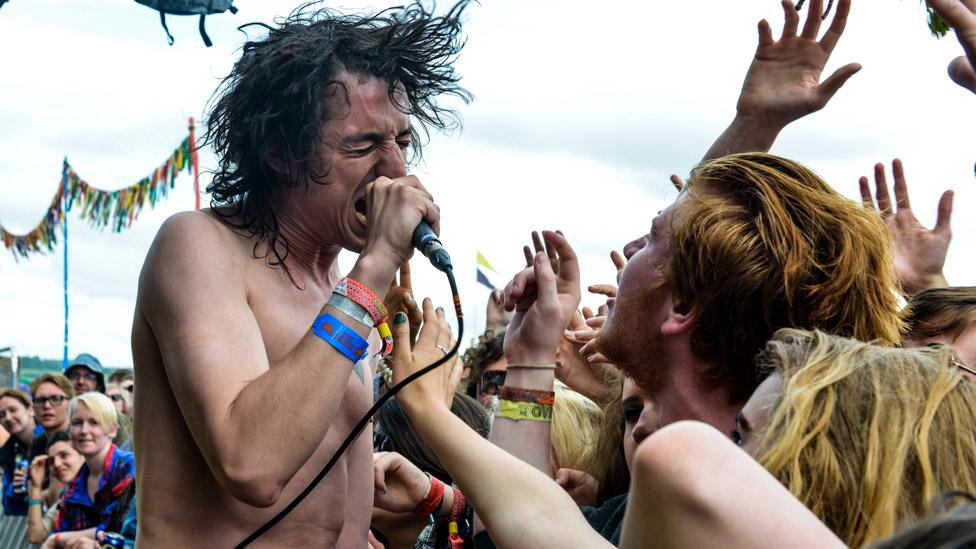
point(115, 209)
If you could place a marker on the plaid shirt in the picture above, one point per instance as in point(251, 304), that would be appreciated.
point(77, 511)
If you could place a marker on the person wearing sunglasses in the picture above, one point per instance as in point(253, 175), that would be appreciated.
point(86, 374)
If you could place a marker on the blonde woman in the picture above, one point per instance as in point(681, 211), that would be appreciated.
point(865, 436)
point(95, 499)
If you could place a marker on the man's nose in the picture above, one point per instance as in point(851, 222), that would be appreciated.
point(393, 162)
point(634, 246)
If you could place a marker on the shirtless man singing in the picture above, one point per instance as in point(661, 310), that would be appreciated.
point(240, 402)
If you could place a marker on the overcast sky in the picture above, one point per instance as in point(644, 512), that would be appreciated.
point(581, 112)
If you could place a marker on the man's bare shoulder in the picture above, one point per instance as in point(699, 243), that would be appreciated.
point(191, 252)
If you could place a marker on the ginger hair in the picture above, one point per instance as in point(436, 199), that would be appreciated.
point(866, 435)
point(759, 243)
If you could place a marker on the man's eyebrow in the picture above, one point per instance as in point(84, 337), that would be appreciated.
point(371, 137)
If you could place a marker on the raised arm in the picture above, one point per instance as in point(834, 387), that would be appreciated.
point(919, 253)
point(491, 478)
point(783, 82)
point(195, 301)
point(961, 16)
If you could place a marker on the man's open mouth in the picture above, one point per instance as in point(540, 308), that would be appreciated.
point(360, 207)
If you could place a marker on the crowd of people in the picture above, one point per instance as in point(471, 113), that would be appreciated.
point(776, 365)
point(67, 459)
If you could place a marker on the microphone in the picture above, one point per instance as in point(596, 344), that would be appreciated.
point(428, 244)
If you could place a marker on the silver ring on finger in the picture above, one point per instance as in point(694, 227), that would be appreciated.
point(442, 348)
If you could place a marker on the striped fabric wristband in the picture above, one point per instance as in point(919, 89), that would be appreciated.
point(364, 297)
point(345, 340)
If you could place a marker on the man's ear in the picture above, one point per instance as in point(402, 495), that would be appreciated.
point(680, 318)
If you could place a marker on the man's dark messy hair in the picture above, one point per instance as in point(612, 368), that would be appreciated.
point(270, 109)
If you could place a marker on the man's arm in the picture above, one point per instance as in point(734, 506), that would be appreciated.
point(961, 16)
point(193, 296)
point(783, 82)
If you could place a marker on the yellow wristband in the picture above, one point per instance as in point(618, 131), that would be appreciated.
point(524, 410)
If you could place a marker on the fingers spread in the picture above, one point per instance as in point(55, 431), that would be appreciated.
point(835, 81)
point(942, 221)
point(901, 187)
point(811, 28)
point(833, 34)
point(881, 190)
point(765, 39)
point(618, 259)
point(792, 20)
point(865, 188)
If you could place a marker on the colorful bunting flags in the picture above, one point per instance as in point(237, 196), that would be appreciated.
point(115, 209)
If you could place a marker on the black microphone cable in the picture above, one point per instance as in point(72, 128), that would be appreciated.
point(357, 430)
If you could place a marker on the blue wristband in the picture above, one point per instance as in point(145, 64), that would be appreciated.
point(345, 340)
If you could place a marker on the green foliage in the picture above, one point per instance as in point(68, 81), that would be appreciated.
point(938, 27)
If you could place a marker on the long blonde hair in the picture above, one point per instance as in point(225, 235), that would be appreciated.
point(576, 424)
point(864, 435)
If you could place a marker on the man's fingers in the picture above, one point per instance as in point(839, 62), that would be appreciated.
point(677, 181)
point(881, 190)
point(836, 29)
point(545, 281)
point(835, 81)
point(568, 265)
point(901, 187)
point(603, 310)
point(811, 28)
point(537, 242)
point(596, 322)
point(527, 252)
point(865, 188)
point(618, 260)
point(944, 217)
point(792, 20)
point(608, 290)
point(587, 312)
point(765, 39)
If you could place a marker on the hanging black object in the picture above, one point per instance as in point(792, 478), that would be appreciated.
point(203, 8)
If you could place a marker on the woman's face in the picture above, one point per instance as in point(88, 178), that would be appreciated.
point(751, 422)
point(14, 416)
point(88, 437)
point(65, 461)
point(640, 418)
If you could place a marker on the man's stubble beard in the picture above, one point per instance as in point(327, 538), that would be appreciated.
point(639, 360)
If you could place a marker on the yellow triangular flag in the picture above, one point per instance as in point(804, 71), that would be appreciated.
point(484, 262)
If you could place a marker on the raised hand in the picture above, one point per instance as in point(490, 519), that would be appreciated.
point(961, 16)
point(433, 342)
point(36, 471)
point(783, 83)
point(919, 253)
point(543, 301)
point(400, 298)
point(572, 368)
point(497, 318)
